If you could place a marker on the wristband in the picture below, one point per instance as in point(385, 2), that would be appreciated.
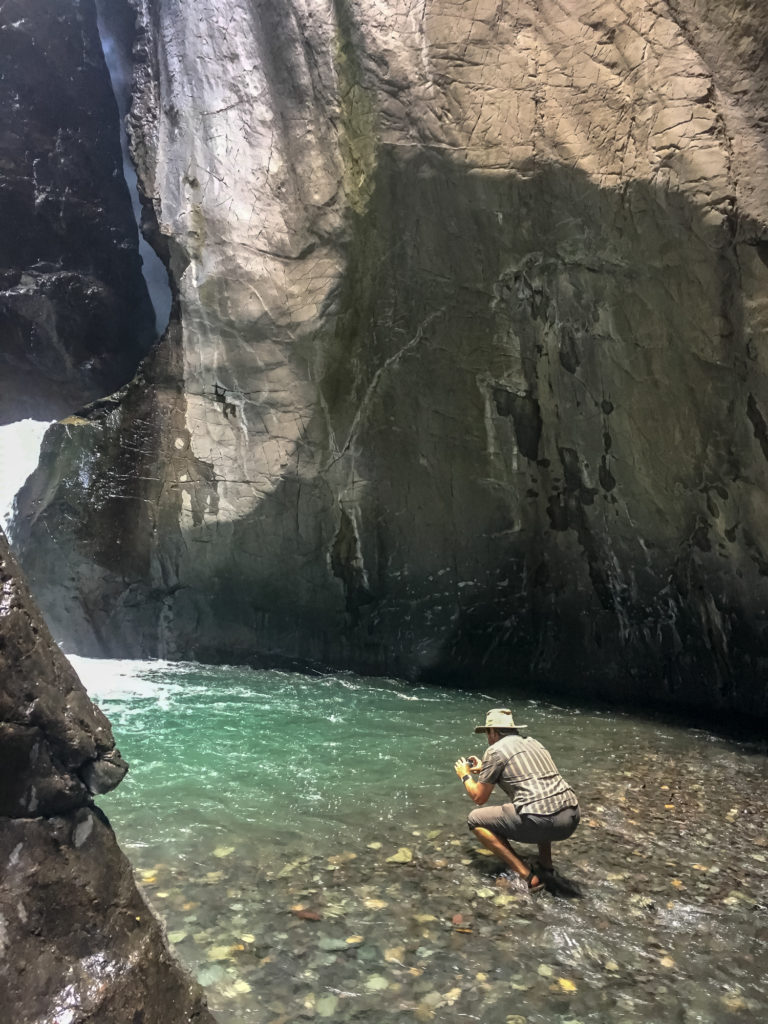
point(464, 778)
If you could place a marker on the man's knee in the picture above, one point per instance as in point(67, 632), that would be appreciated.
point(476, 819)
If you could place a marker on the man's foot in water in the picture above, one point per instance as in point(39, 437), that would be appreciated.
point(504, 852)
point(534, 882)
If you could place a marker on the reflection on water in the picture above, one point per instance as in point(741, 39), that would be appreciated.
point(303, 838)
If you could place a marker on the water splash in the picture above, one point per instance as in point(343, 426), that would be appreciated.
point(19, 453)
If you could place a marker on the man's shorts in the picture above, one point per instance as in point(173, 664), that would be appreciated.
point(503, 820)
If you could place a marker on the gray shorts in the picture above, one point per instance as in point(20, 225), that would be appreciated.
point(504, 821)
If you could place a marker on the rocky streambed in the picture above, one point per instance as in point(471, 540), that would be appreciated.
point(326, 900)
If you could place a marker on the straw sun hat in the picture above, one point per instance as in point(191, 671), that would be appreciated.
point(499, 718)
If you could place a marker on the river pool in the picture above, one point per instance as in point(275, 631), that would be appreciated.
point(303, 838)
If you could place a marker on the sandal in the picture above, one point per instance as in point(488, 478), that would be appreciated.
point(538, 869)
point(533, 888)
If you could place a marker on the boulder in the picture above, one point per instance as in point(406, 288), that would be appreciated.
point(77, 940)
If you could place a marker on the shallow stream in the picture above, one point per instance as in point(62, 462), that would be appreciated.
point(304, 840)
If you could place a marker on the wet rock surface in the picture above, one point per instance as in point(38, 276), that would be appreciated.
point(655, 912)
point(75, 316)
point(467, 366)
point(77, 941)
point(53, 735)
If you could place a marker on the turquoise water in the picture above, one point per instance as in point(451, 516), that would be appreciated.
point(275, 755)
point(263, 809)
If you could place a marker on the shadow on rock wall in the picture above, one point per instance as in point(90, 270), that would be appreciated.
point(538, 457)
point(75, 315)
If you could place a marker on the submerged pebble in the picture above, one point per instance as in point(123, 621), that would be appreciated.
point(656, 910)
point(326, 1005)
point(376, 983)
point(403, 856)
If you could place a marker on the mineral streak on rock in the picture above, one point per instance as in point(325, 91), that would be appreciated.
point(77, 940)
point(75, 317)
point(466, 376)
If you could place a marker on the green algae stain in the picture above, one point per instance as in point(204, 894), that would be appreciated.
point(348, 358)
point(358, 139)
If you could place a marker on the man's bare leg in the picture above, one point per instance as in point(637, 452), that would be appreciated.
point(504, 851)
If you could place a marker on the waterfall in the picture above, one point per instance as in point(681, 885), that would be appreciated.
point(19, 452)
point(120, 73)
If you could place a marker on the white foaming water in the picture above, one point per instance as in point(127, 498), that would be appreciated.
point(19, 453)
point(111, 679)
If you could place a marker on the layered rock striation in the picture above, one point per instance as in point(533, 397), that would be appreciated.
point(467, 377)
point(75, 316)
point(77, 940)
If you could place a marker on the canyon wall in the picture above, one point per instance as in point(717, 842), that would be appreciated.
point(466, 378)
point(75, 316)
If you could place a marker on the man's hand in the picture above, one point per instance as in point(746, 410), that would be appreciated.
point(478, 791)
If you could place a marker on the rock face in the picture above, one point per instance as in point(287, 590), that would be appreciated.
point(468, 372)
point(77, 941)
point(75, 316)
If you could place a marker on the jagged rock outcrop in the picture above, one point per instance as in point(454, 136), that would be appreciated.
point(77, 940)
point(75, 315)
point(468, 372)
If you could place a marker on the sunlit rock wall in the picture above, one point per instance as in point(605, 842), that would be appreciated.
point(77, 940)
point(468, 373)
point(75, 317)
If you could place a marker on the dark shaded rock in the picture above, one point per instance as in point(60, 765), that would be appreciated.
point(75, 316)
point(77, 941)
point(104, 773)
point(46, 717)
point(32, 783)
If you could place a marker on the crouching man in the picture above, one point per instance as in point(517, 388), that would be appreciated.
point(542, 807)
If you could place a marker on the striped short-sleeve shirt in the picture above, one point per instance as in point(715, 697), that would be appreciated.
point(524, 769)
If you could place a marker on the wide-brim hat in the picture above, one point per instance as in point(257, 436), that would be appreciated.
point(499, 718)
